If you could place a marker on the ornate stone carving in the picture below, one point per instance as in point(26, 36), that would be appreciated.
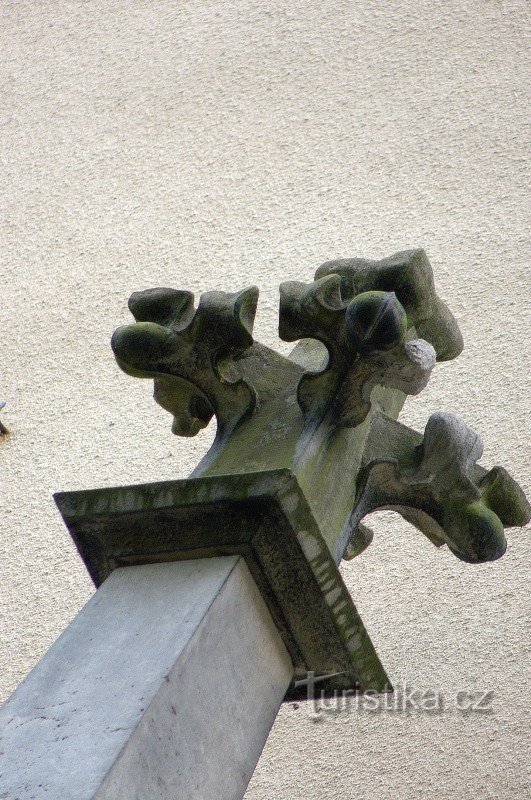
point(191, 354)
point(409, 275)
point(305, 448)
point(366, 339)
point(438, 487)
point(368, 314)
point(330, 424)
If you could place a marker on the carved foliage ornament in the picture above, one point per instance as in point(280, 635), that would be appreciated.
point(384, 328)
point(439, 488)
point(189, 353)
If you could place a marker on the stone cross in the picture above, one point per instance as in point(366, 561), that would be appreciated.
point(219, 594)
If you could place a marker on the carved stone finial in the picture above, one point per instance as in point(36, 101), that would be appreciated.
point(332, 424)
point(305, 449)
point(190, 353)
point(409, 275)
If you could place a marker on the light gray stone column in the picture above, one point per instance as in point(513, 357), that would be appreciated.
point(164, 686)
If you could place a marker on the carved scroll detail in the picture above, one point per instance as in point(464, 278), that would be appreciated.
point(190, 353)
point(439, 489)
point(409, 275)
point(370, 342)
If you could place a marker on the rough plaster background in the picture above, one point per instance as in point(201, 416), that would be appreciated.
point(217, 144)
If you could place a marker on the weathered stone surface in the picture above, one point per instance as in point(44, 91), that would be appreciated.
point(325, 423)
point(366, 340)
point(434, 482)
point(264, 517)
point(322, 427)
point(164, 686)
point(316, 417)
point(410, 276)
point(375, 321)
point(190, 354)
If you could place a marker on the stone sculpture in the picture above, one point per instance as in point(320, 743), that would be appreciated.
point(384, 329)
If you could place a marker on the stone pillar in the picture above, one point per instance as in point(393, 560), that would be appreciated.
point(164, 686)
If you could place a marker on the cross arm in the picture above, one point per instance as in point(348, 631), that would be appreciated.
point(435, 483)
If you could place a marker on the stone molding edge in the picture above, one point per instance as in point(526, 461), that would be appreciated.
point(262, 516)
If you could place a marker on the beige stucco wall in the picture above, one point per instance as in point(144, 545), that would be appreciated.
point(217, 144)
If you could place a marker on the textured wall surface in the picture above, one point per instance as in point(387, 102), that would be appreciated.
point(212, 145)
